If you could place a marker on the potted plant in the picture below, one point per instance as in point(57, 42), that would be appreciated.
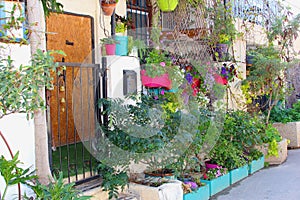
point(167, 5)
point(121, 26)
point(110, 45)
point(287, 122)
point(108, 6)
point(195, 189)
point(155, 74)
point(224, 31)
point(217, 179)
point(274, 147)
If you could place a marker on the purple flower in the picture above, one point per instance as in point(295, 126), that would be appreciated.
point(163, 64)
point(189, 78)
point(223, 71)
point(193, 185)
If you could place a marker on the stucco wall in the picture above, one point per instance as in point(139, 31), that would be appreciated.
point(19, 134)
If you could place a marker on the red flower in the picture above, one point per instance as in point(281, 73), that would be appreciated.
point(205, 176)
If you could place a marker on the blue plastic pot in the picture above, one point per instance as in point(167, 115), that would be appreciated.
point(122, 45)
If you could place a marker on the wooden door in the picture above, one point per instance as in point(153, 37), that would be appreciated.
point(72, 34)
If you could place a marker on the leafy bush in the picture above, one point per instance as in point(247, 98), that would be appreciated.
point(12, 174)
point(272, 136)
point(226, 154)
point(56, 190)
point(243, 130)
point(286, 115)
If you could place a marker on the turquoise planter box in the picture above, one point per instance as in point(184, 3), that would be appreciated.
point(201, 194)
point(256, 165)
point(218, 184)
point(122, 45)
point(238, 174)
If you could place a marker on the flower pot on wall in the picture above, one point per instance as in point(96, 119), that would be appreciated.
point(108, 8)
point(167, 5)
point(110, 49)
point(122, 45)
point(156, 82)
point(221, 50)
point(249, 60)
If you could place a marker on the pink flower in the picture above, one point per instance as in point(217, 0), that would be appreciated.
point(163, 64)
point(162, 92)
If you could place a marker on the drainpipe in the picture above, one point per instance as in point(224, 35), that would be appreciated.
point(113, 23)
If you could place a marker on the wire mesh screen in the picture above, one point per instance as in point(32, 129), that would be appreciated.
point(185, 31)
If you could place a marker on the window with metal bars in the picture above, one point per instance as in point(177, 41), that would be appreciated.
point(139, 11)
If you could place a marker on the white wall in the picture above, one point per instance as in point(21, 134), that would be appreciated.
point(19, 134)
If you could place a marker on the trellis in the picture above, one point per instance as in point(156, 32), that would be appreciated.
point(185, 31)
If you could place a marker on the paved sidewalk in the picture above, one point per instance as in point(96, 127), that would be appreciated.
point(274, 183)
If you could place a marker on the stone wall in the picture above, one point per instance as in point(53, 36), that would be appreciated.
point(294, 81)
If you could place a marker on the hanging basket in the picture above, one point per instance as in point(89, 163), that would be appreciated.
point(222, 50)
point(108, 9)
point(167, 5)
point(156, 82)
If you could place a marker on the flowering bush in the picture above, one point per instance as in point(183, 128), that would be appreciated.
point(228, 71)
point(214, 173)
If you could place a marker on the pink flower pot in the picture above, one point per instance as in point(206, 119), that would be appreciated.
point(211, 166)
point(156, 82)
point(110, 49)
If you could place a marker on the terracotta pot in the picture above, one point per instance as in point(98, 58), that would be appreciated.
point(108, 9)
point(156, 82)
point(167, 173)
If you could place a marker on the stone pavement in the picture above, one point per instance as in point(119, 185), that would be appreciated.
point(274, 183)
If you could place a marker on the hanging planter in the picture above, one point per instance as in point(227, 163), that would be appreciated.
point(108, 6)
point(156, 82)
point(221, 50)
point(167, 5)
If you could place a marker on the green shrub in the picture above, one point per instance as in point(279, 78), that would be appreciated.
point(286, 115)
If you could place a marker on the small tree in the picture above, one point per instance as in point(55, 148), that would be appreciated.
point(267, 77)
